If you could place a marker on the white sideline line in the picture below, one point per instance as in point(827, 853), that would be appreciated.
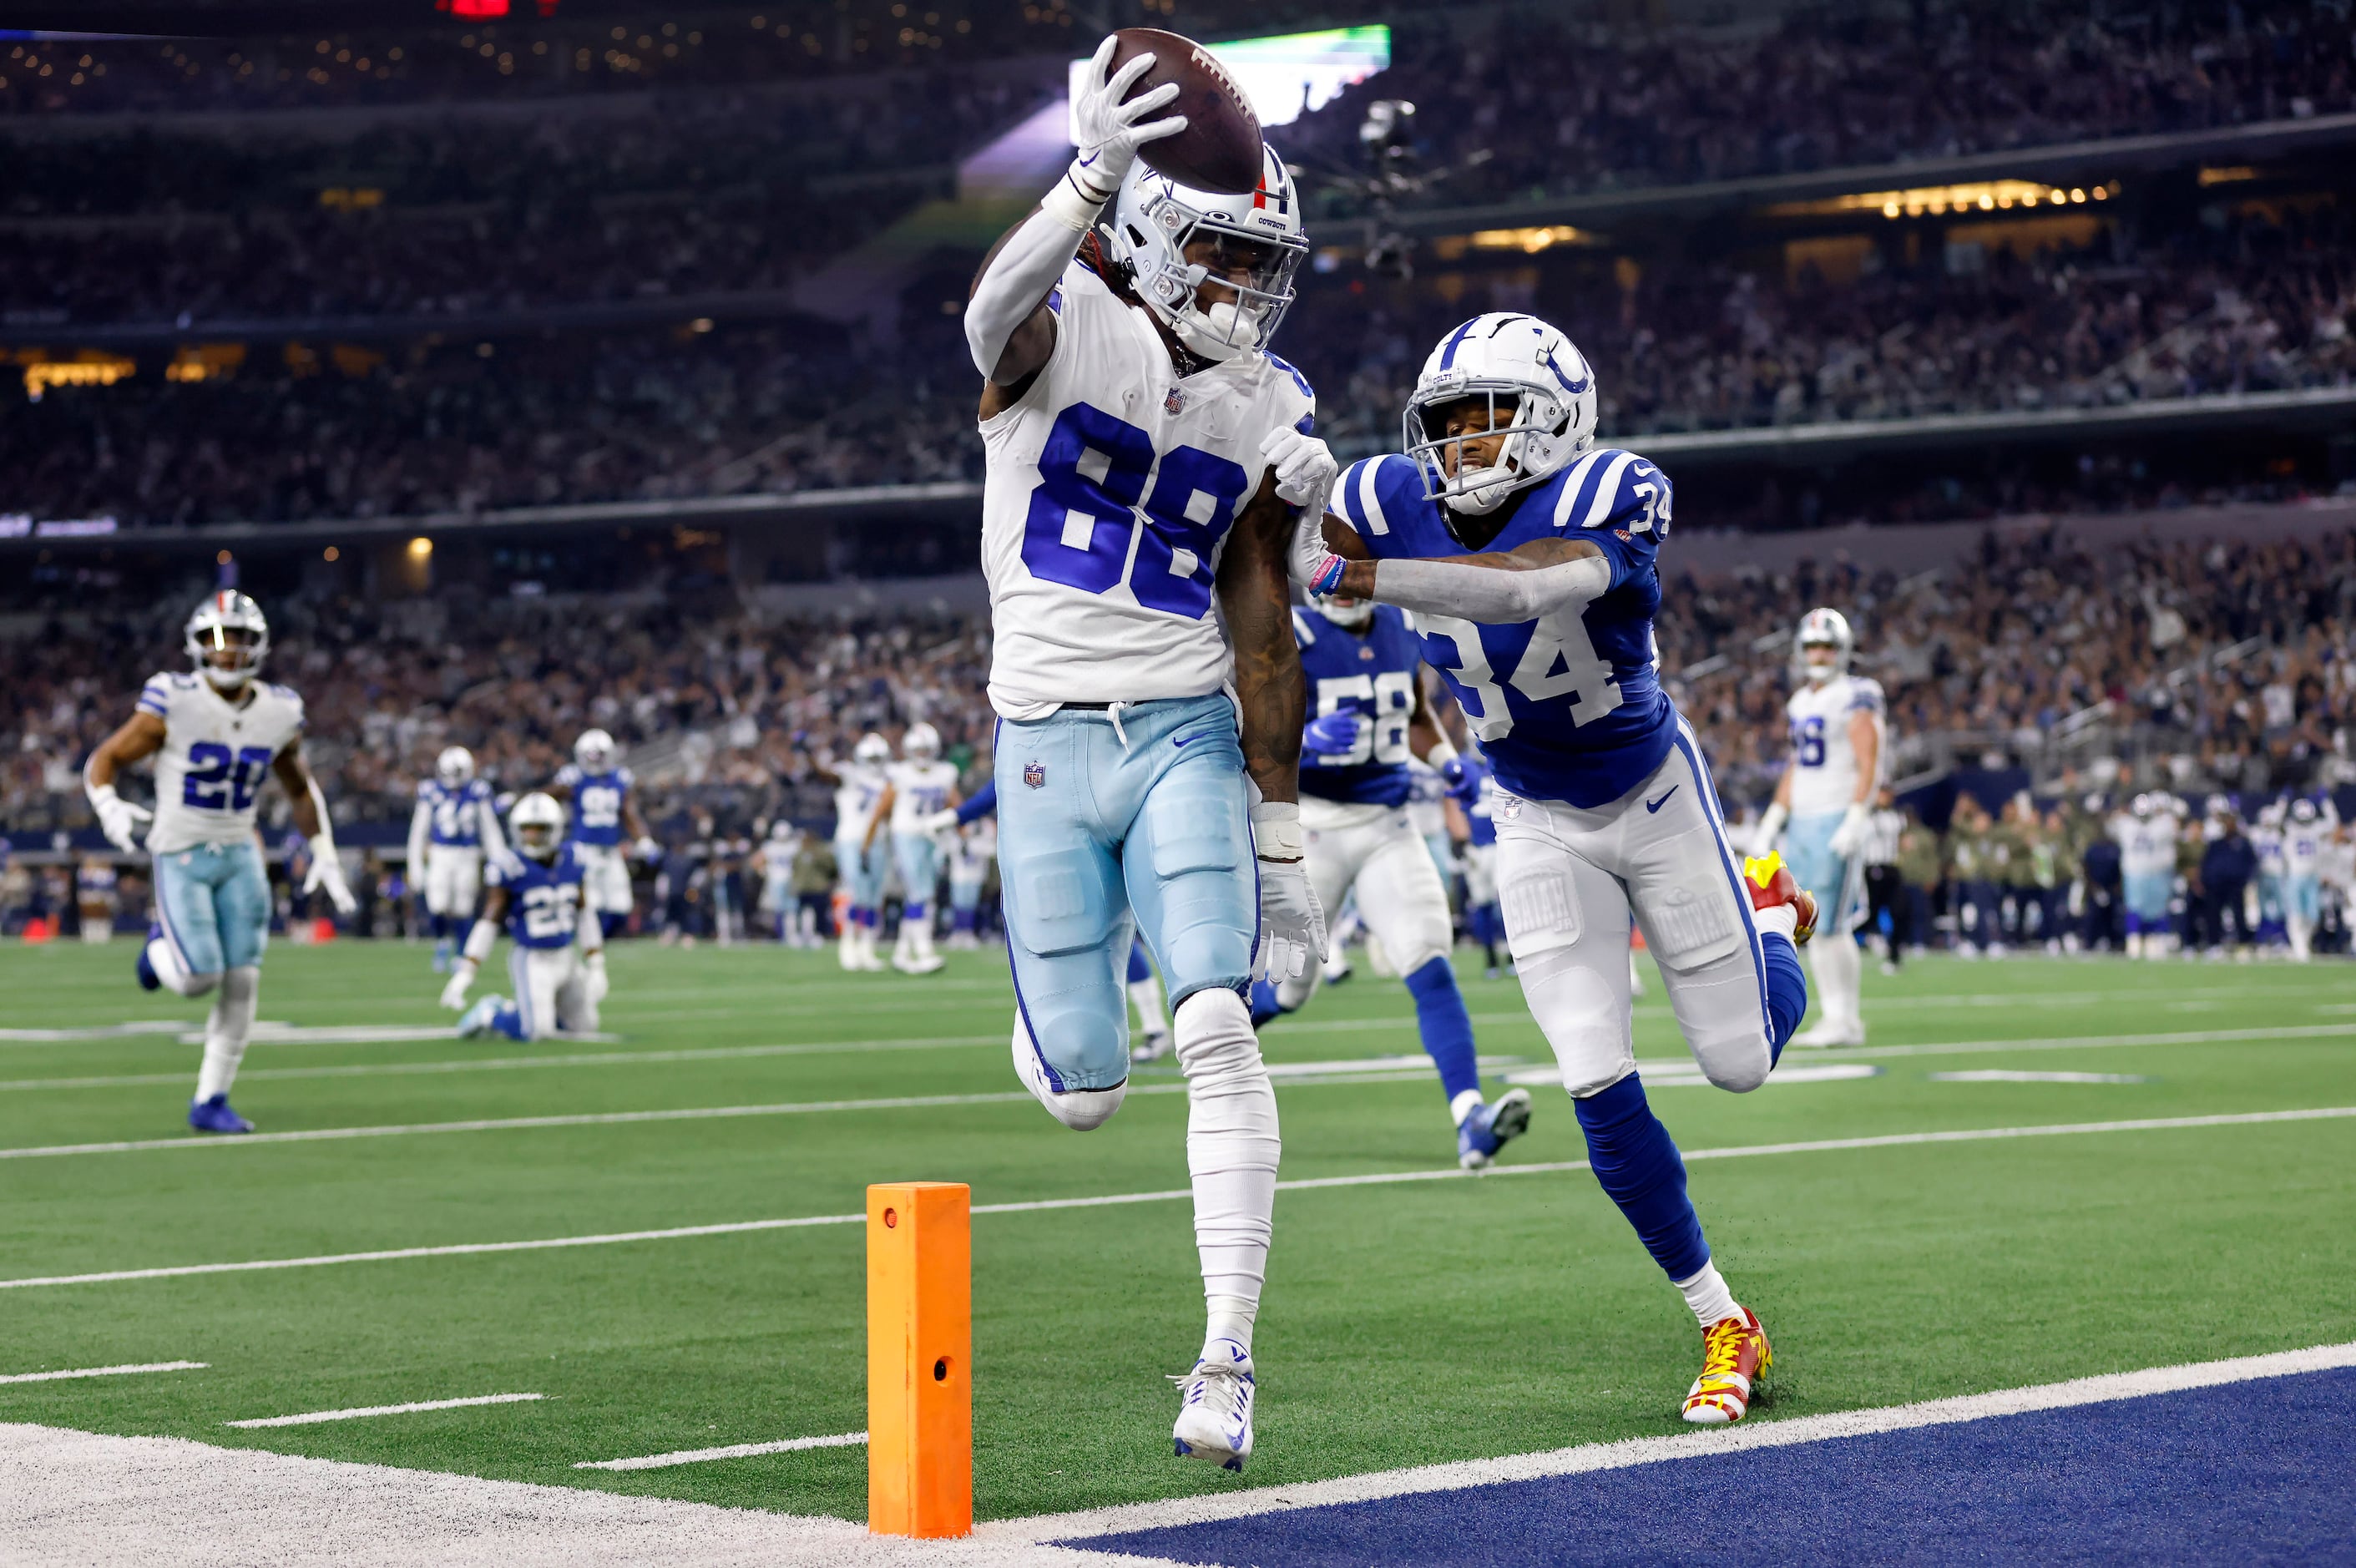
point(1674, 1074)
point(312, 1418)
point(2008, 1075)
point(1588, 1458)
point(1168, 1195)
point(733, 1451)
point(103, 1372)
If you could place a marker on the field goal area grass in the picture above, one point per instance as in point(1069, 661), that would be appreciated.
point(561, 1257)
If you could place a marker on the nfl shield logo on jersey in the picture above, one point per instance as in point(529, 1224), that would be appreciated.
point(1174, 402)
point(1035, 775)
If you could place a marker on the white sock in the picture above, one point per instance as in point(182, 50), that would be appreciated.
point(1464, 1104)
point(1707, 1293)
point(1231, 1150)
point(1838, 971)
point(227, 1029)
point(1145, 995)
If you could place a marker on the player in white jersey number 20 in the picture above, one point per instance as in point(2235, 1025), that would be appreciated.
point(1832, 774)
point(1145, 454)
point(216, 735)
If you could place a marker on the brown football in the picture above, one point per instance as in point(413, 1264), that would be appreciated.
point(1220, 147)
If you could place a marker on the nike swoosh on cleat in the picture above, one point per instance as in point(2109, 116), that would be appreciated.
point(1657, 805)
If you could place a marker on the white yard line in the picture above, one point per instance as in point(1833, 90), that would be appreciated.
point(2010, 1075)
point(733, 1451)
point(1672, 1073)
point(312, 1418)
point(1749, 1435)
point(103, 1372)
point(1172, 1195)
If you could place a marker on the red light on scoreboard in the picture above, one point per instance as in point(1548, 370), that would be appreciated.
point(474, 10)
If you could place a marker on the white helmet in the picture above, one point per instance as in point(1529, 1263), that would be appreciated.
point(871, 749)
point(539, 825)
point(593, 751)
point(1823, 629)
point(2143, 806)
point(1153, 220)
point(2272, 814)
point(1509, 359)
point(922, 743)
point(454, 766)
point(231, 622)
point(1349, 614)
point(2302, 810)
point(781, 830)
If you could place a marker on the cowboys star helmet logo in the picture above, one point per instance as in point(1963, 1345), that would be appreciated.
point(1035, 774)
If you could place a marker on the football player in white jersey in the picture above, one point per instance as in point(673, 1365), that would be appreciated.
point(453, 826)
point(1145, 452)
point(917, 789)
point(216, 734)
point(859, 786)
point(1825, 797)
point(2305, 839)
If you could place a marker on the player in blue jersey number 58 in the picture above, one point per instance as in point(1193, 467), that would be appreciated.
point(1527, 559)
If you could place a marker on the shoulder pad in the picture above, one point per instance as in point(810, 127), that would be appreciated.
point(1371, 487)
point(1612, 488)
point(622, 776)
point(1298, 379)
point(569, 774)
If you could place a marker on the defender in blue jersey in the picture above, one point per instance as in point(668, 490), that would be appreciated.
point(538, 892)
point(1528, 558)
point(606, 827)
point(453, 826)
point(1364, 667)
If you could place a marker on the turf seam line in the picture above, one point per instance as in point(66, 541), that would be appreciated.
point(1308, 1184)
point(103, 1372)
point(1766, 1433)
point(312, 1418)
point(731, 1451)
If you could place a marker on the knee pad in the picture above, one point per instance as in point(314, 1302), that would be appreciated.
point(1579, 1009)
point(1081, 1109)
point(196, 985)
point(1724, 1022)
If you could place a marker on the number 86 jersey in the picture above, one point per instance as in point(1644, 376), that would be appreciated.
point(1569, 707)
point(215, 757)
point(1112, 485)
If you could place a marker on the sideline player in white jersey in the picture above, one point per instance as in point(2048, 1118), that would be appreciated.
point(2147, 837)
point(453, 826)
point(1145, 452)
point(1604, 807)
point(1827, 796)
point(216, 734)
point(859, 786)
point(2305, 837)
point(539, 890)
point(606, 825)
point(917, 789)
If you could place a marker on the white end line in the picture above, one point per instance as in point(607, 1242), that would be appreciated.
point(733, 1451)
point(103, 1372)
point(312, 1418)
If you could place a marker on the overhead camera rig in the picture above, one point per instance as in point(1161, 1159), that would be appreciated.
point(1391, 170)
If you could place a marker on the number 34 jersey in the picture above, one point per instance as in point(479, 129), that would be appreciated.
point(216, 757)
point(1569, 707)
point(1112, 485)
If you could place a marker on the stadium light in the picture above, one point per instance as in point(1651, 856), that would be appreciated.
point(420, 548)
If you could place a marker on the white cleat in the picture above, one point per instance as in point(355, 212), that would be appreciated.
point(1153, 1047)
point(1214, 1408)
point(1829, 1034)
point(910, 964)
point(481, 1018)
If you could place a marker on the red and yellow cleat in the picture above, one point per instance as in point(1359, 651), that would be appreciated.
point(1771, 886)
point(1734, 1361)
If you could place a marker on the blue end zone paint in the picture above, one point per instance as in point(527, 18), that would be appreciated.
point(2254, 1472)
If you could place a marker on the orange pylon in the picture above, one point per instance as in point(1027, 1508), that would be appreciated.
point(919, 1358)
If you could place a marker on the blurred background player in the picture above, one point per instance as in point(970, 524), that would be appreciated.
point(216, 734)
point(605, 819)
point(1121, 332)
point(2304, 833)
point(453, 826)
point(1604, 809)
point(1365, 669)
point(1888, 910)
point(860, 786)
point(95, 897)
point(917, 787)
point(1825, 796)
point(973, 849)
point(540, 892)
point(2146, 839)
point(775, 855)
point(1483, 922)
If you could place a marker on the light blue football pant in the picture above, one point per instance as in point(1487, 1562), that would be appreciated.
point(2145, 894)
point(920, 870)
point(862, 870)
point(2303, 898)
point(1098, 837)
point(1838, 882)
point(213, 902)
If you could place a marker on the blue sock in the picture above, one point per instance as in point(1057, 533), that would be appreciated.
point(509, 1021)
point(441, 924)
point(1636, 1162)
point(611, 923)
point(1787, 991)
point(1446, 1027)
point(1263, 1002)
point(461, 928)
point(1137, 968)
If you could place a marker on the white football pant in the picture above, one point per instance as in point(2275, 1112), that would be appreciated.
point(604, 878)
point(1374, 852)
point(454, 879)
point(551, 991)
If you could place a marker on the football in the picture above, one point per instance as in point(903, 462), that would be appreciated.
point(1220, 147)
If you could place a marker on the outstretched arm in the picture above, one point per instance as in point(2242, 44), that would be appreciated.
point(1496, 586)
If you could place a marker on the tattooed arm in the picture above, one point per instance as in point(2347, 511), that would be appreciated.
point(1257, 609)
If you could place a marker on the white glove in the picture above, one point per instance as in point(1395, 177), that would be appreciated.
point(1317, 569)
point(647, 850)
point(327, 872)
point(1292, 926)
point(1305, 469)
point(939, 822)
point(1108, 131)
point(1771, 828)
point(454, 995)
point(118, 819)
point(1849, 837)
point(598, 984)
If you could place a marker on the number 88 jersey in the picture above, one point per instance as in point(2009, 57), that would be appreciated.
point(1112, 485)
point(1569, 707)
point(215, 757)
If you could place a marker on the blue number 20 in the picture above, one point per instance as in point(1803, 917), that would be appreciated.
point(219, 779)
point(1091, 473)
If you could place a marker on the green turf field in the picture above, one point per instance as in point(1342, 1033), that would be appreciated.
point(1404, 1323)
